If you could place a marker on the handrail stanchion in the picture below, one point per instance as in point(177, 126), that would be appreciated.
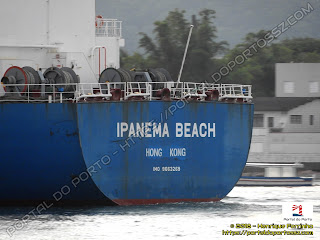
point(54, 94)
point(28, 94)
point(150, 90)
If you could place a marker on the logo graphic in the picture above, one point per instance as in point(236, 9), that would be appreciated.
point(297, 210)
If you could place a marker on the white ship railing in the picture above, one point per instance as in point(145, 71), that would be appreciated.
point(193, 90)
point(91, 90)
point(138, 89)
point(234, 91)
point(83, 92)
point(108, 27)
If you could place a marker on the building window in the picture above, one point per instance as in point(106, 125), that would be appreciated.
point(313, 87)
point(270, 122)
point(295, 119)
point(258, 120)
point(311, 119)
point(288, 87)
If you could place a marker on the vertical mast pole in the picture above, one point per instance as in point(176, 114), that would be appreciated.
point(185, 53)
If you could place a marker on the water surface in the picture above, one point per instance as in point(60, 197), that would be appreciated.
point(253, 205)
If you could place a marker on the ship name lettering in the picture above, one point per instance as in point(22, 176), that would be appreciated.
point(147, 129)
point(152, 129)
point(193, 130)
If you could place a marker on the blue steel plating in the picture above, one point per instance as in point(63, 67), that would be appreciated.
point(46, 147)
point(72, 132)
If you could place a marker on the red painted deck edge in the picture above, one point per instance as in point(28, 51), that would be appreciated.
point(125, 202)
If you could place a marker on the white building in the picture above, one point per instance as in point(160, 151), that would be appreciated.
point(297, 80)
point(287, 129)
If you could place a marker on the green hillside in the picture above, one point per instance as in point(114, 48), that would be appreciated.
point(234, 18)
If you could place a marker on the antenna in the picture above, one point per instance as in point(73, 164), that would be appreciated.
point(185, 53)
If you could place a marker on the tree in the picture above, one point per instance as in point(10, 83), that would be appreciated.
point(205, 55)
point(203, 48)
point(167, 48)
point(135, 61)
point(259, 69)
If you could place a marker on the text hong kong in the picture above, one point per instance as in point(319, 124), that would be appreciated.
point(149, 129)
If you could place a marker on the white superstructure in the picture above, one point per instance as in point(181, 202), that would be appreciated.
point(47, 46)
point(59, 33)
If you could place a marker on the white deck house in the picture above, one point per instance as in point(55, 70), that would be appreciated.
point(287, 127)
point(54, 36)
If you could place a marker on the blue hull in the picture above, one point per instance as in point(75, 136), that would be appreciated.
point(77, 152)
point(40, 154)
